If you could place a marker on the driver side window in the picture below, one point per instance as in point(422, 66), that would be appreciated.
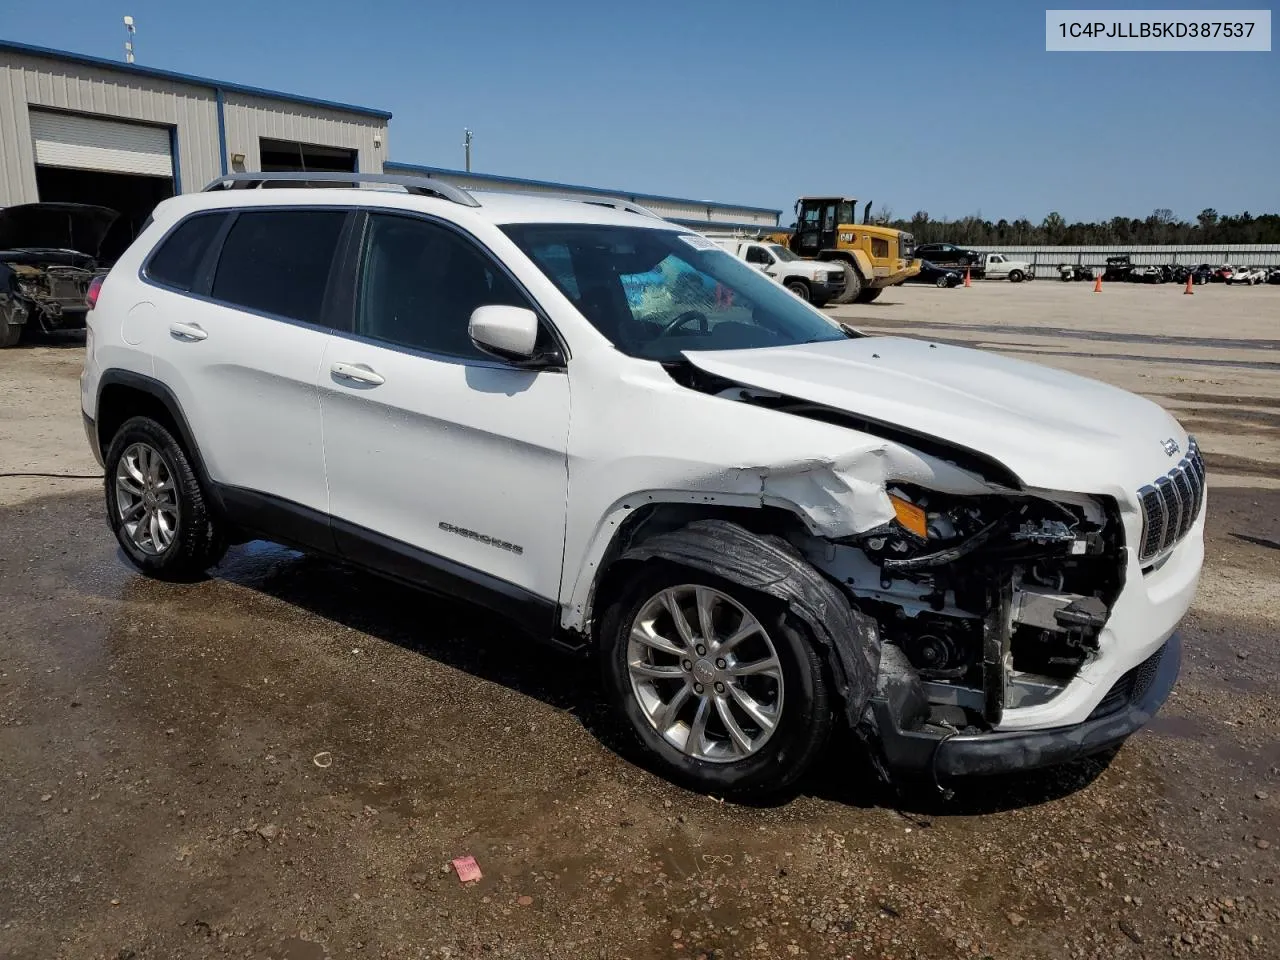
point(420, 283)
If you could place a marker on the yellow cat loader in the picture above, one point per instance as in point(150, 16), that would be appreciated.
point(874, 257)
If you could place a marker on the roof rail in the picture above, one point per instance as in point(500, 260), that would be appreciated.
point(422, 186)
point(613, 203)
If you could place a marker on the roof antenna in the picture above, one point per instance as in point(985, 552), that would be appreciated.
point(466, 143)
point(129, 31)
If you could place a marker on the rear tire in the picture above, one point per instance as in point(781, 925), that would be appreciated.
point(852, 284)
point(800, 289)
point(697, 747)
point(10, 332)
point(155, 505)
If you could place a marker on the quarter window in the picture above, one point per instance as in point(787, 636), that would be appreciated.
point(420, 283)
point(278, 261)
point(879, 247)
point(178, 258)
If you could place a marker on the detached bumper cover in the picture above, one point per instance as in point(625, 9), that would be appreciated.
point(1122, 712)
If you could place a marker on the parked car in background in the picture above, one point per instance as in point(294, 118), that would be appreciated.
point(948, 253)
point(1147, 274)
point(1273, 275)
point(1221, 274)
point(1199, 274)
point(1074, 271)
point(1247, 276)
point(815, 281)
point(930, 272)
point(48, 258)
point(998, 266)
point(1118, 269)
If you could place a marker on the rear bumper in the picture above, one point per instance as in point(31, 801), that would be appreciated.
point(91, 434)
point(1123, 712)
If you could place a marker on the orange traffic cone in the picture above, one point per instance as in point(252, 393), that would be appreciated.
point(1097, 284)
point(966, 277)
point(1188, 290)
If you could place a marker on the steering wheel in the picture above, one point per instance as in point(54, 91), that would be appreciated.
point(684, 318)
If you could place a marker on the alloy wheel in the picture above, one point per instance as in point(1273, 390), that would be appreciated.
point(146, 499)
point(705, 673)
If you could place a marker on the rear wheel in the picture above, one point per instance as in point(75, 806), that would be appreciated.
point(800, 289)
point(155, 505)
point(852, 284)
point(10, 331)
point(721, 685)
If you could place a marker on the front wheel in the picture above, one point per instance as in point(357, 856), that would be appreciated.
point(1015, 276)
point(943, 281)
point(799, 288)
point(722, 686)
point(155, 505)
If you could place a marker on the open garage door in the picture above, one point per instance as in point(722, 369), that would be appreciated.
point(110, 163)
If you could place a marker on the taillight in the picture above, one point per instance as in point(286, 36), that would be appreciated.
point(95, 287)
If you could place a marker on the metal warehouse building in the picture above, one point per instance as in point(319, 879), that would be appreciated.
point(87, 130)
point(700, 214)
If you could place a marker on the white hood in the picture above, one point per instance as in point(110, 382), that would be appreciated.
point(1054, 430)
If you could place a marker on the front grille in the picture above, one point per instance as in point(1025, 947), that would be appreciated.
point(1171, 504)
point(1130, 687)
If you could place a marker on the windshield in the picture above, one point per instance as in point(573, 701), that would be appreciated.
point(657, 293)
point(781, 252)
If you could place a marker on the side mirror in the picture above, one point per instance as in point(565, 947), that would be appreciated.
point(507, 332)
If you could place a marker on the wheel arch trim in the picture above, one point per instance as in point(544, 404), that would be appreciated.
point(155, 389)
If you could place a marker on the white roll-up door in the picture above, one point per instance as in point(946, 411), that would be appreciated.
point(87, 143)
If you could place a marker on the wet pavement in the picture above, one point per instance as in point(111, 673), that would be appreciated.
point(282, 760)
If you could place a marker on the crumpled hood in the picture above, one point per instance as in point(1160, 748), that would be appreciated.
point(58, 226)
point(1054, 430)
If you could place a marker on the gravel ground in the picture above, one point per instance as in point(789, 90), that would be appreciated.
point(281, 761)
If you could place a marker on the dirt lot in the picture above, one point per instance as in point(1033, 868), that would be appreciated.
point(281, 761)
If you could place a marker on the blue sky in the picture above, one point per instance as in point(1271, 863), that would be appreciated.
point(953, 108)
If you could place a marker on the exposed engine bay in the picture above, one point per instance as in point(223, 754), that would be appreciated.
point(51, 295)
point(996, 601)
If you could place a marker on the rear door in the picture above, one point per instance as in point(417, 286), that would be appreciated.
point(242, 348)
point(446, 466)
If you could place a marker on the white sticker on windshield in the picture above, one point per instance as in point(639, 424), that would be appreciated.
point(697, 242)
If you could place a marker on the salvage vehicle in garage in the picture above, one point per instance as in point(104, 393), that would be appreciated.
point(758, 520)
point(47, 261)
point(1074, 271)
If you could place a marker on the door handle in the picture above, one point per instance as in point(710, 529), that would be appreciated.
point(357, 373)
point(191, 332)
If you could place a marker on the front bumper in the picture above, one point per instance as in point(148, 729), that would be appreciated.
point(1130, 704)
point(824, 290)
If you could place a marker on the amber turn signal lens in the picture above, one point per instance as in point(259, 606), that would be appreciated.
point(911, 516)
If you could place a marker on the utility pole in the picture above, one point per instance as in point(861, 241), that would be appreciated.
point(466, 143)
point(129, 31)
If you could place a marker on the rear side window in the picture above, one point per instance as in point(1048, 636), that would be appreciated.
point(277, 261)
point(178, 258)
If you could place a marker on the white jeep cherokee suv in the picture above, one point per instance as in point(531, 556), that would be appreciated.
point(631, 443)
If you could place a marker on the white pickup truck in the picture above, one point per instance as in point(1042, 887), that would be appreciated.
point(996, 266)
point(815, 281)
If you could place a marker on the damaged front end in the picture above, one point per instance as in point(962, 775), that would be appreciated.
point(985, 604)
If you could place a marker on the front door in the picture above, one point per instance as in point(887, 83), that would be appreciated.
point(443, 462)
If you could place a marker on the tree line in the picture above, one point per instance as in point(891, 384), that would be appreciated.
point(1162, 227)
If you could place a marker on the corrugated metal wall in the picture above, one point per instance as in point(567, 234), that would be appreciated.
point(46, 82)
point(250, 118)
point(1045, 260)
point(664, 207)
point(49, 83)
